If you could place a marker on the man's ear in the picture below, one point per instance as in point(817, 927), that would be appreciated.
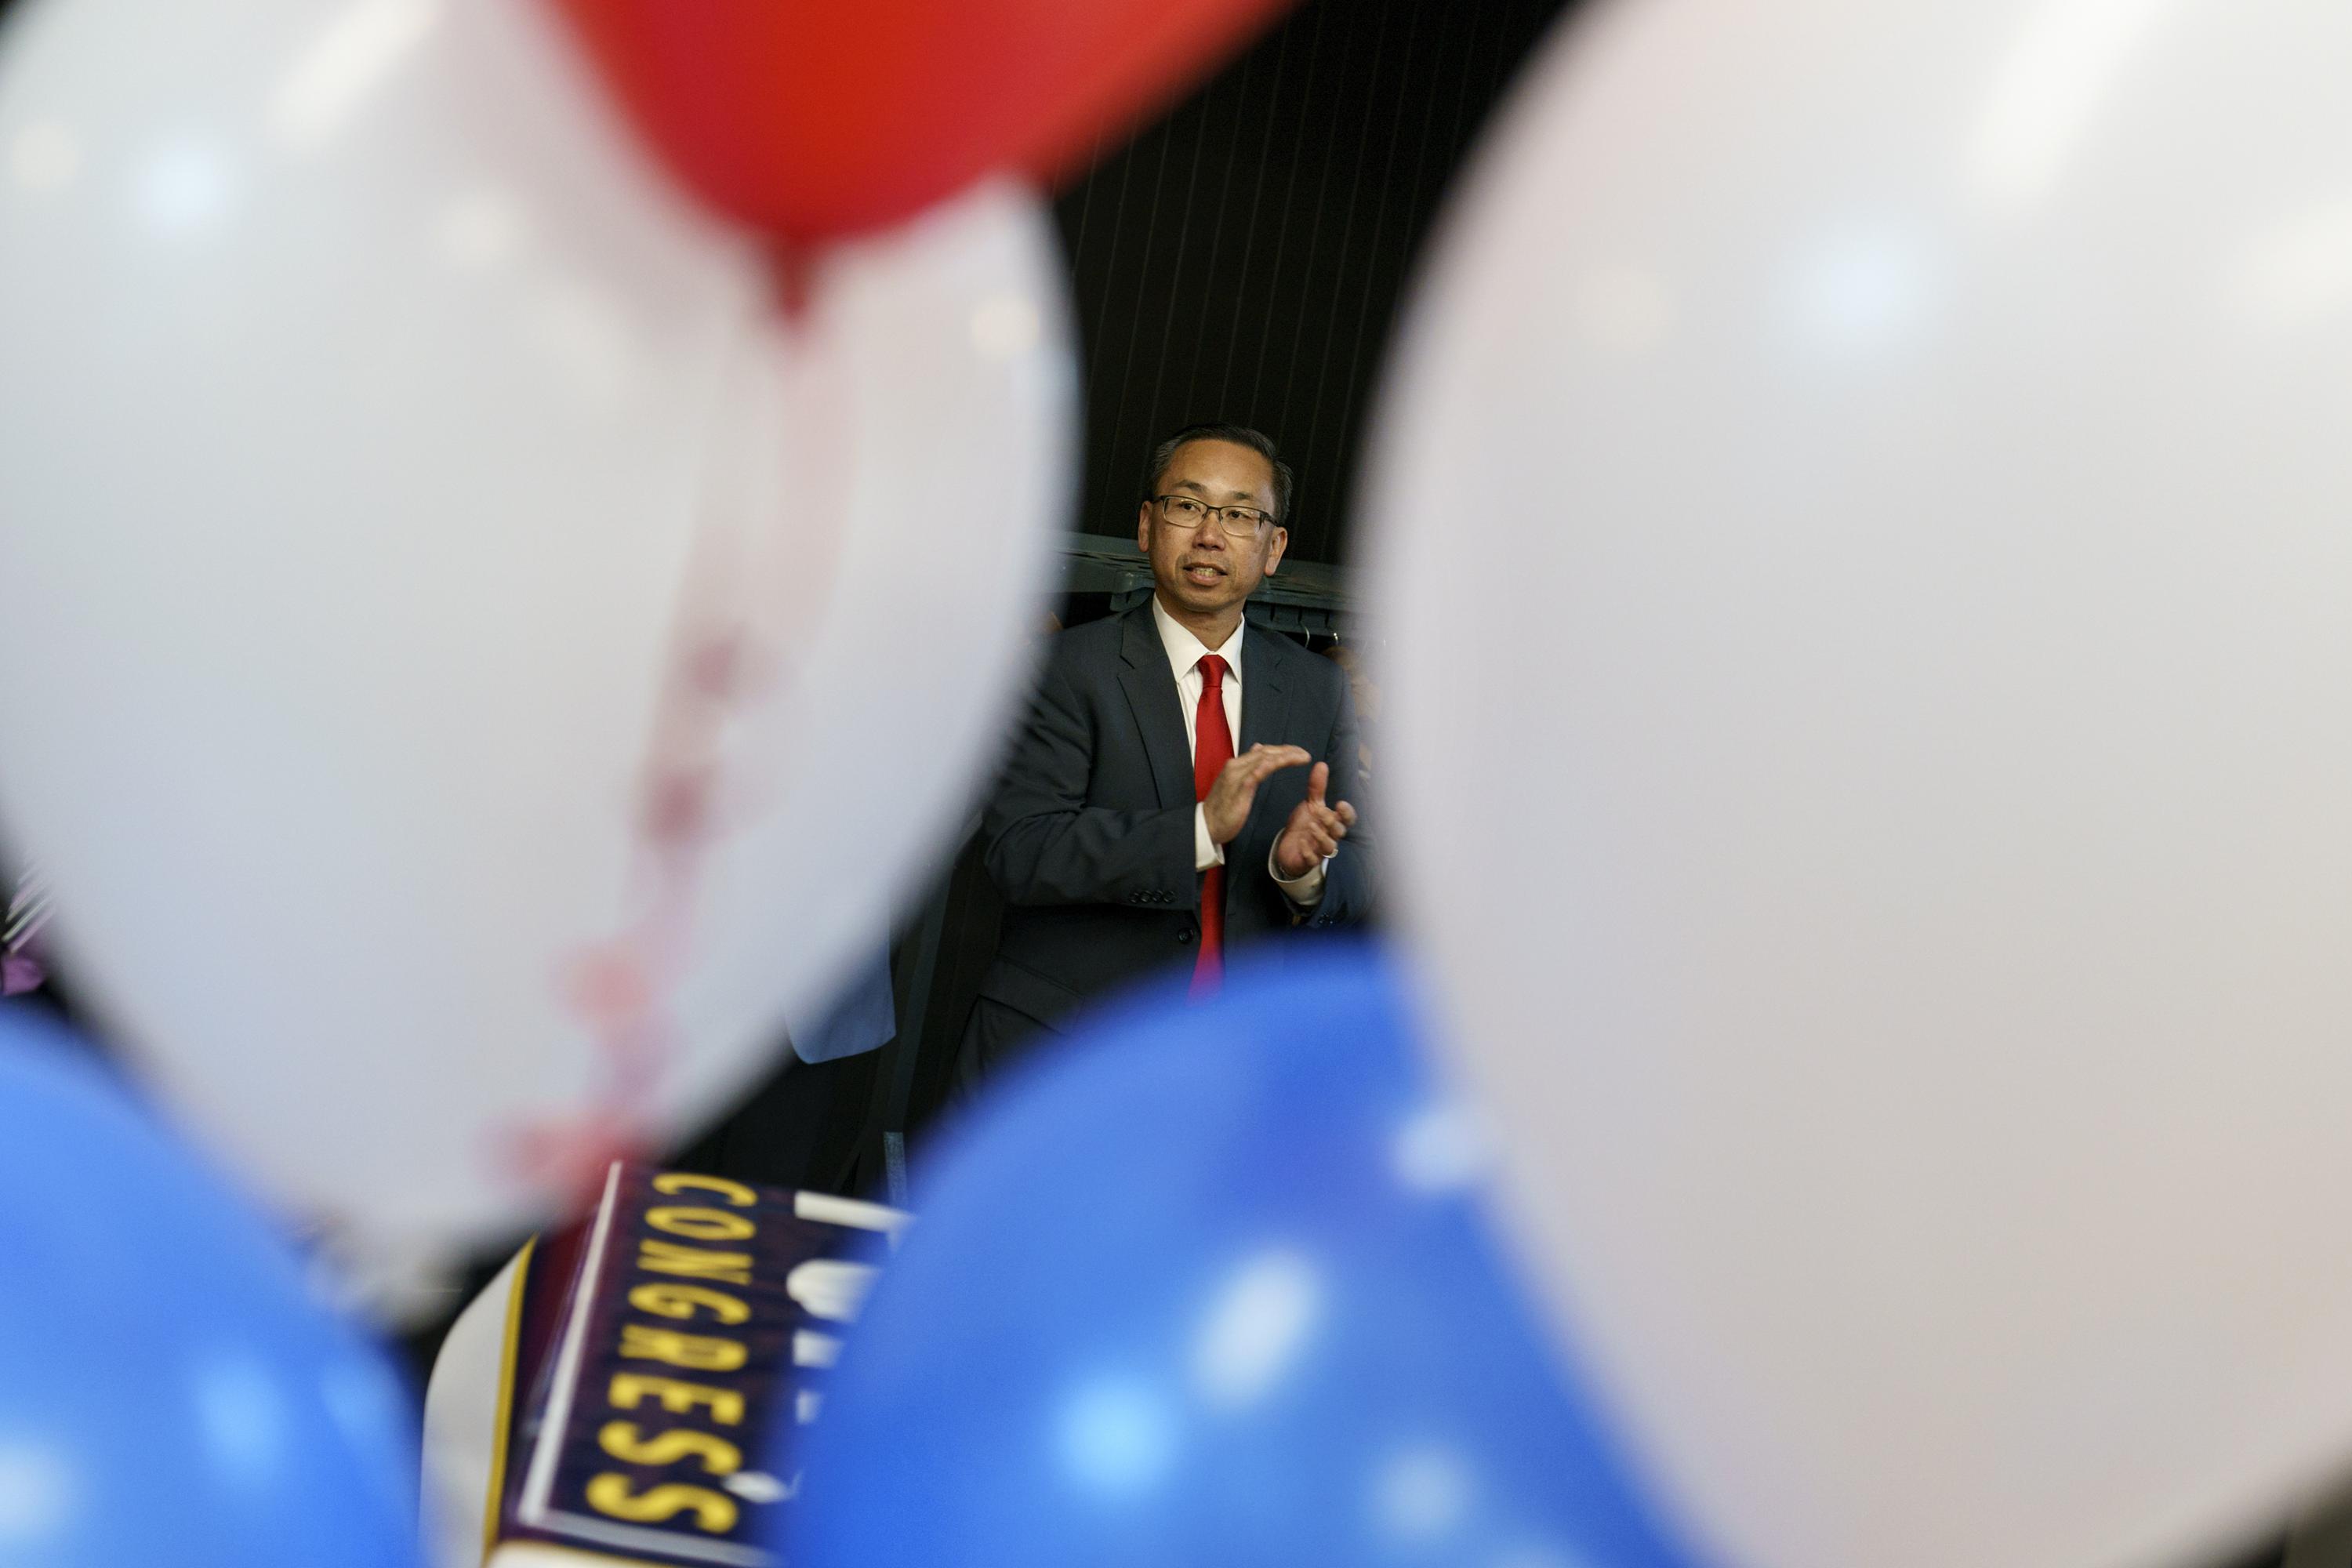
point(1280, 542)
point(1143, 528)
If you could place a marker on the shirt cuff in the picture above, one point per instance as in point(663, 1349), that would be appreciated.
point(1206, 851)
point(1306, 889)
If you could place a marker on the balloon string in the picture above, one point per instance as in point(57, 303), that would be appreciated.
point(623, 989)
point(792, 270)
point(738, 615)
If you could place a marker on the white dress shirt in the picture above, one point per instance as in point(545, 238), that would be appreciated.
point(1185, 652)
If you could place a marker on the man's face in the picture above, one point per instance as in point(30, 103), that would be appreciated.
point(1204, 570)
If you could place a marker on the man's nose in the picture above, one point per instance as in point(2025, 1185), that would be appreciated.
point(1210, 535)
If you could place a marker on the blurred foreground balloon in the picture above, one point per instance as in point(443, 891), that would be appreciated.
point(471, 663)
point(1212, 1287)
point(1904, 644)
point(169, 1394)
point(811, 119)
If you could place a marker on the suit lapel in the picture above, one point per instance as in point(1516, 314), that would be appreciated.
point(1158, 713)
point(1265, 716)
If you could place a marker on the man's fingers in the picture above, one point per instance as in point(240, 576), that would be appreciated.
point(1261, 760)
point(1316, 782)
point(1236, 786)
point(1334, 820)
point(1316, 829)
point(1276, 758)
point(1315, 845)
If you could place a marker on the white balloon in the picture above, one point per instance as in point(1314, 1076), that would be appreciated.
point(410, 509)
point(1863, 545)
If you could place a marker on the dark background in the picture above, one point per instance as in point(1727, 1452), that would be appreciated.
point(1244, 258)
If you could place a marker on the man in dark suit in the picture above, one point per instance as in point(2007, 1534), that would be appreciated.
point(1184, 782)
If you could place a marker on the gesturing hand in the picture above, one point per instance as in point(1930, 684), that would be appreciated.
point(1228, 805)
point(1313, 833)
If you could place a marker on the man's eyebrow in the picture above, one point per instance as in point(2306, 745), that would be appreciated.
point(1198, 488)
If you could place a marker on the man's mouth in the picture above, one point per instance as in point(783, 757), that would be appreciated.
point(1202, 572)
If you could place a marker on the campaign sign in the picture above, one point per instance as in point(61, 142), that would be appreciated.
point(693, 1339)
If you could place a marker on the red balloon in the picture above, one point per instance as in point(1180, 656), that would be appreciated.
point(812, 119)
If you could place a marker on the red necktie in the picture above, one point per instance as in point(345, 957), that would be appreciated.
point(1212, 748)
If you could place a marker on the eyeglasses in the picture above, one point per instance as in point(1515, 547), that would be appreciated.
point(1185, 513)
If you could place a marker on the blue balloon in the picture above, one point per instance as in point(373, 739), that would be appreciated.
point(1212, 1286)
point(170, 1396)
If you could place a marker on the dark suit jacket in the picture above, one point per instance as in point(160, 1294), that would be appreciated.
point(1089, 833)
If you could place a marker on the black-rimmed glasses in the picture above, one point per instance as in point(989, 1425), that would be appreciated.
point(1189, 512)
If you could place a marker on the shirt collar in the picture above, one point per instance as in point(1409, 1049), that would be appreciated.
point(1184, 649)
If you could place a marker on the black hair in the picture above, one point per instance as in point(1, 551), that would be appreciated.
point(1240, 435)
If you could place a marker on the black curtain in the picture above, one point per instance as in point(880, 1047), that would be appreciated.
point(1244, 257)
